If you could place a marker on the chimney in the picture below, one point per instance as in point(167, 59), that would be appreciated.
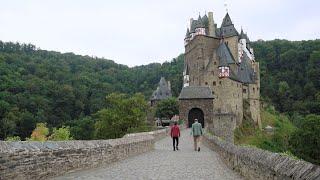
point(212, 29)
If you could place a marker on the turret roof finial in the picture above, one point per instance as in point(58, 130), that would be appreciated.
point(226, 5)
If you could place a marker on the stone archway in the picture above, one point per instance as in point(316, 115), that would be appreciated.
point(195, 113)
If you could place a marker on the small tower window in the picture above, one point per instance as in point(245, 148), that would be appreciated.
point(206, 83)
point(215, 63)
point(220, 82)
point(214, 83)
point(244, 91)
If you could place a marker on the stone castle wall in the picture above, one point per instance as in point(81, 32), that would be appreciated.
point(41, 160)
point(224, 125)
point(253, 163)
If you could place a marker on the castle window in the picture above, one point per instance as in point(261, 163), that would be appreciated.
point(236, 107)
point(253, 89)
point(220, 82)
point(223, 71)
point(215, 63)
point(214, 83)
point(206, 83)
point(244, 91)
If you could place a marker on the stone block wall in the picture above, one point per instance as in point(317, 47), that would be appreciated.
point(206, 105)
point(224, 125)
point(40, 160)
point(256, 164)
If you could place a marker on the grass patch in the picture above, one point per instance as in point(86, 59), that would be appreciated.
point(248, 134)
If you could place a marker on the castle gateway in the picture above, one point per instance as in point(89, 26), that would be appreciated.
point(222, 61)
point(196, 103)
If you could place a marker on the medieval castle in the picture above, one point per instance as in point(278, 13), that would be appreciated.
point(221, 76)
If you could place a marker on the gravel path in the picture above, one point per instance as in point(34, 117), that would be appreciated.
point(164, 163)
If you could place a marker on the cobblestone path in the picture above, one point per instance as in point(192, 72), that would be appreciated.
point(164, 163)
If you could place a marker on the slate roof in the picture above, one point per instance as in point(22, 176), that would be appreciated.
point(243, 35)
point(205, 20)
point(245, 72)
point(224, 55)
point(188, 33)
point(199, 23)
point(196, 92)
point(226, 20)
point(163, 90)
point(227, 28)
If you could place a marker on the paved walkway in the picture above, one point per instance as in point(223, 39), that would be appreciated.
point(164, 163)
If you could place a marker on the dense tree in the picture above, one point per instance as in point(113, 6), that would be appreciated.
point(305, 141)
point(121, 114)
point(38, 86)
point(167, 108)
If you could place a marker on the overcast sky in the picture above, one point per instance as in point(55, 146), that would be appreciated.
point(136, 32)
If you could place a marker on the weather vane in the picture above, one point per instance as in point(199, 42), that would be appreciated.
point(226, 5)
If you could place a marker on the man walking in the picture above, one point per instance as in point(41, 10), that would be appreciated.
point(175, 134)
point(196, 131)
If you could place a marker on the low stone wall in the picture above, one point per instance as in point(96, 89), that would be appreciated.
point(254, 163)
point(158, 134)
point(40, 160)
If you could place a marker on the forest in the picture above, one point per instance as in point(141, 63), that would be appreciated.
point(68, 90)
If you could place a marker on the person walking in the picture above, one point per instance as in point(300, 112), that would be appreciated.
point(175, 134)
point(197, 132)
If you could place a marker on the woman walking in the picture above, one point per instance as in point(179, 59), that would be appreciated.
point(175, 134)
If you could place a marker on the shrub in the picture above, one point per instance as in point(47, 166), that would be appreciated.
point(13, 138)
point(39, 133)
point(61, 134)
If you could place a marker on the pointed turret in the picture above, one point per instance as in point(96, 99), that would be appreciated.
point(227, 27)
point(205, 20)
point(226, 21)
point(187, 34)
point(242, 35)
point(199, 23)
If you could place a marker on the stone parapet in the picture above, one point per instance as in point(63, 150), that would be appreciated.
point(157, 135)
point(40, 160)
point(255, 164)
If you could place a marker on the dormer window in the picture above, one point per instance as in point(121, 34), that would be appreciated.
point(224, 71)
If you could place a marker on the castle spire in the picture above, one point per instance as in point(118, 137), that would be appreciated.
point(188, 33)
point(226, 20)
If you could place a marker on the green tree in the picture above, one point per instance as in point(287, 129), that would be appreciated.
point(83, 129)
point(167, 108)
point(305, 142)
point(61, 134)
point(122, 113)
